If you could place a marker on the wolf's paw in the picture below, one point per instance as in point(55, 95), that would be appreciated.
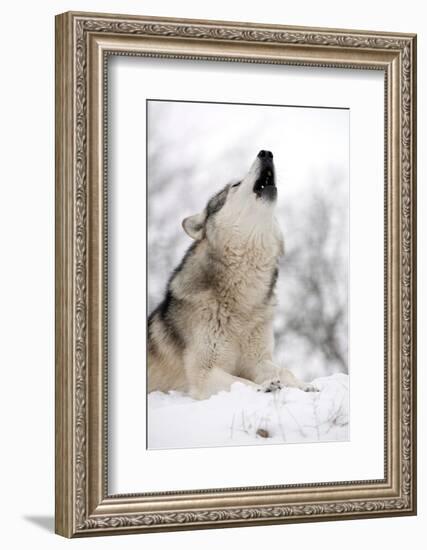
point(271, 385)
point(309, 387)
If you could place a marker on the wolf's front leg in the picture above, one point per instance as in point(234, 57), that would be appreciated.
point(256, 363)
point(206, 377)
point(214, 381)
point(272, 377)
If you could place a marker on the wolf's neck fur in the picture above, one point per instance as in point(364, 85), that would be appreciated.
point(241, 274)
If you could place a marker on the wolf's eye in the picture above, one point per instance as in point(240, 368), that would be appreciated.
point(236, 184)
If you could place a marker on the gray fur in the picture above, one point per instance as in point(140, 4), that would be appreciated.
point(214, 326)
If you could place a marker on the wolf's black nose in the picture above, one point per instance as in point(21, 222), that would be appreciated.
point(265, 154)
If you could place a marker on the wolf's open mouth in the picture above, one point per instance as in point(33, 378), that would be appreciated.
point(265, 185)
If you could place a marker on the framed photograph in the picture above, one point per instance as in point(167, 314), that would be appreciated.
point(235, 274)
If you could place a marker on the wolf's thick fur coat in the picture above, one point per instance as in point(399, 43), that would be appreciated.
point(215, 324)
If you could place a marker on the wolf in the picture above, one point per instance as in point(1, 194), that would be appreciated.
point(214, 326)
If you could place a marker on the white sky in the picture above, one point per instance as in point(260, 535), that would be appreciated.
point(308, 143)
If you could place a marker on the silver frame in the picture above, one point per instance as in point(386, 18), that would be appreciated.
point(83, 43)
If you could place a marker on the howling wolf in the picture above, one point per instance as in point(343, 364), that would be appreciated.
point(215, 324)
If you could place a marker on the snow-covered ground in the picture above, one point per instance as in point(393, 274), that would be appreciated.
point(244, 416)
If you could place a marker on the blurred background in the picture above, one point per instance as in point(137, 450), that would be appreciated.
point(194, 149)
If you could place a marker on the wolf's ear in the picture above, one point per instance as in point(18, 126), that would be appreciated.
point(194, 226)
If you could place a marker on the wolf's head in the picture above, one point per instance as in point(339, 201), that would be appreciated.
point(242, 210)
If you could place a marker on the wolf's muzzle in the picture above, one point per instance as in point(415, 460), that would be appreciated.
point(265, 184)
point(265, 154)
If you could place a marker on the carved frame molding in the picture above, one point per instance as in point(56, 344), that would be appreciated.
point(83, 43)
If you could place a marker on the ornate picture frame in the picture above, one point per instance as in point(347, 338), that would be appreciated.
point(84, 42)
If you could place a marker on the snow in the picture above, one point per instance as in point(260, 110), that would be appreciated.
point(244, 416)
